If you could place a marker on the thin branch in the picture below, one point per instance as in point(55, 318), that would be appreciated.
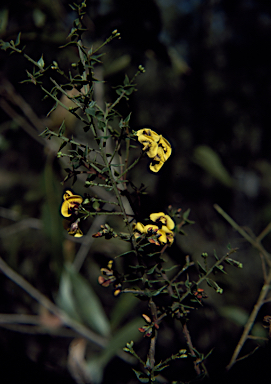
point(254, 242)
point(10, 230)
point(190, 346)
point(250, 322)
point(264, 233)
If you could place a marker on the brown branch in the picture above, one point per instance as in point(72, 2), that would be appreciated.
point(190, 346)
point(250, 322)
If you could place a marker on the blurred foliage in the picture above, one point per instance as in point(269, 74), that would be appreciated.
point(206, 87)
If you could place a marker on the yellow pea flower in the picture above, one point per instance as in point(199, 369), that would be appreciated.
point(138, 229)
point(70, 202)
point(156, 147)
point(160, 217)
point(164, 233)
point(159, 232)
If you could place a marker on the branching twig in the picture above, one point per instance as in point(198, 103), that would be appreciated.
point(254, 242)
point(252, 317)
point(267, 280)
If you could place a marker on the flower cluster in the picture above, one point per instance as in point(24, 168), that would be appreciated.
point(156, 147)
point(105, 231)
point(158, 233)
point(109, 278)
point(69, 208)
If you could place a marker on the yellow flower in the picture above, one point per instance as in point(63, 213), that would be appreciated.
point(160, 217)
point(138, 229)
point(70, 202)
point(156, 147)
point(149, 139)
point(161, 232)
point(162, 237)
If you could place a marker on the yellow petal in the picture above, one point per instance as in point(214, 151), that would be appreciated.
point(74, 199)
point(139, 227)
point(169, 234)
point(169, 222)
point(151, 228)
point(67, 194)
point(65, 209)
point(77, 233)
point(166, 147)
point(147, 132)
point(167, 230)
point(149, 145)
point(70, 201)
point(162, 218)
point(163, 237)
point(156, 166)
point(153, 149)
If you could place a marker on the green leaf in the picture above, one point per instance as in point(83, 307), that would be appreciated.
point(62, 145)
point(96, 205)
point(233, 262)
point(161, 368)
point(62, 128)
point(87, 303)
point(141, 377)
point(126, 253)
point(185, 217)
point(126, 80)
point(151, 270)
point(127, 119)
point(157, 291)
point(5, 45)
point(18, 39)
point(186, 214)
point(45, 133)
point(65, 298)
point(201, 268)
point(52, 109)
point(214, 285)
point(215, 255)
point(91, 111)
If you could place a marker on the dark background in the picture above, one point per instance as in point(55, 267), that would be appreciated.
point(207, 89)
